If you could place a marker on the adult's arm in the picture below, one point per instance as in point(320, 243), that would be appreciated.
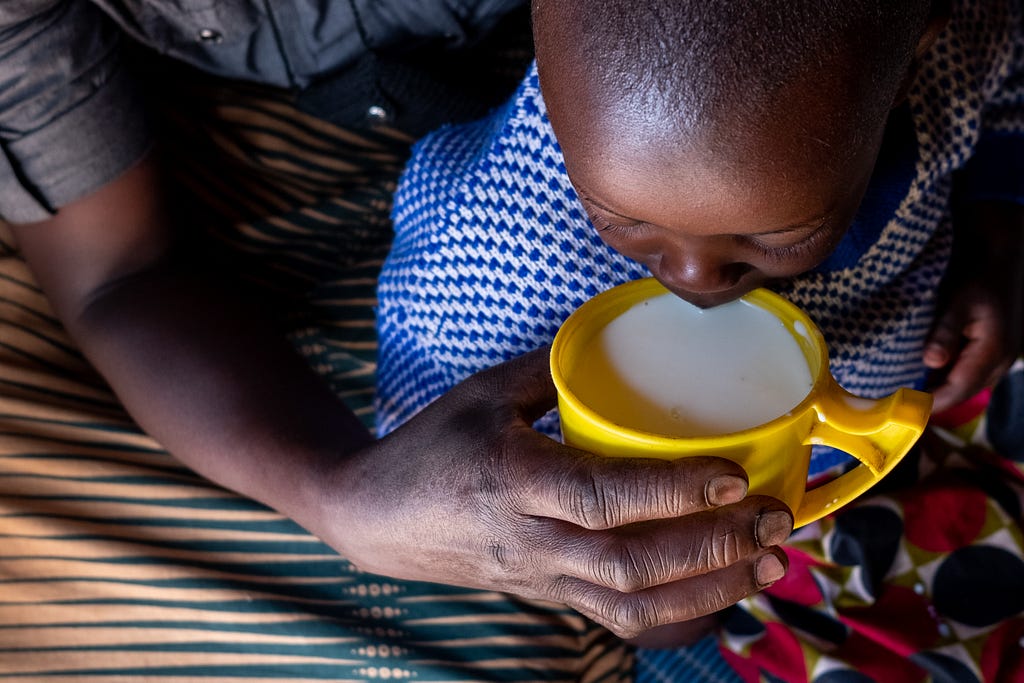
point(196, 367)
point(193, 365)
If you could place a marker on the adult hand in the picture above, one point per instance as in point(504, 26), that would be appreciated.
point(467, 493)
point(978, 329)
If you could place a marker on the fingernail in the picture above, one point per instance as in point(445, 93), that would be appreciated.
point(768, 570)
point(724, 490)
point(935, 355)
point(772, 527)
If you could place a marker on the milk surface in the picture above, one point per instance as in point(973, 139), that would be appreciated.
point(668, 367)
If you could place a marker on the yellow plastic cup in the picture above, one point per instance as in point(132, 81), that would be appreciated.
point(776, 454)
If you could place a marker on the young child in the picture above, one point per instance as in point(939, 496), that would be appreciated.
point(835, 152)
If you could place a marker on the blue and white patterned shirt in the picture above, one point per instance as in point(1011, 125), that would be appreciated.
point(493, 251)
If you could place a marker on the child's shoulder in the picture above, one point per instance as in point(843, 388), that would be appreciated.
point(504, 163)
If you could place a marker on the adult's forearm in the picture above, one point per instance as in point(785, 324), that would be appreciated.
point(194, 365)
point(216, 385)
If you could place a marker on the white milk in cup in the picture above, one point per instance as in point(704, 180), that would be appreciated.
point(668, 367)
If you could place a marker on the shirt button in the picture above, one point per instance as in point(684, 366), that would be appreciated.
point(210, 35)
point(377, 114)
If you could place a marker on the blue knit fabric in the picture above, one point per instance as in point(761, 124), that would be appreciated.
point(892, 177)
point(699, 663)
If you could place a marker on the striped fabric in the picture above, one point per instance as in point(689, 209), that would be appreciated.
point(118, 563)
point(699, 663)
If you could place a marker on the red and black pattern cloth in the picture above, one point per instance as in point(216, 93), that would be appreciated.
point(921, 580)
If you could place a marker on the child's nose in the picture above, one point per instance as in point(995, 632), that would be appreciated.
point(701, 270)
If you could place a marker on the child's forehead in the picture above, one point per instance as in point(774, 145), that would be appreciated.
point(811, 129)
point(786, 168)
point(662, 192)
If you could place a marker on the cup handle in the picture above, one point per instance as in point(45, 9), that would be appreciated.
point(878, 432)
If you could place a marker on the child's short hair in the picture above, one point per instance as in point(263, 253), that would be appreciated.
point(710, 59)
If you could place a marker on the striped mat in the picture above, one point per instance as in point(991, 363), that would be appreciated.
point(117, 563)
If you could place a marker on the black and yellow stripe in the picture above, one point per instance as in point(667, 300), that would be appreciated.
point(118, 563)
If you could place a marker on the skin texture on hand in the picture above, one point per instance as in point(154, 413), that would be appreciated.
point(977, 334)
point(467, 493)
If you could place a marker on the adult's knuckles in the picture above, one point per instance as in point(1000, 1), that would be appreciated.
point(629, 562)
point(582, 499)
point(722, 546)
point(628, 565)
point(630, 615)
point(597, 495)
point(625, 614)
point(508, 560)
point(512, 562)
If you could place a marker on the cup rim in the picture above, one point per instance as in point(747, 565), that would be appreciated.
point(623, 296)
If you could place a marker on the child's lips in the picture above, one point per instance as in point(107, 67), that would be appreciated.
point(712, 299)
point(709, 298)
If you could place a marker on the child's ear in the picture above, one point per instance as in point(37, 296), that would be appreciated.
point(937, 20)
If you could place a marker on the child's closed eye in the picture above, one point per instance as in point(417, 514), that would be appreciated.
point(787, 252)
point(607, 227)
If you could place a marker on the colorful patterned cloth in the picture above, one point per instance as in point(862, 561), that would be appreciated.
point(923, 579)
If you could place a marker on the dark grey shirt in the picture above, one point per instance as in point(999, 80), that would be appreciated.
point(71, 119)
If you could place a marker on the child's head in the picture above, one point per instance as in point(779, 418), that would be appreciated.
point(725, 143)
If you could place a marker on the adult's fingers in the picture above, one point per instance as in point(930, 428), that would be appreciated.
point(552, 480)
point(596, 492)
point(630, 614)
point(639, 556)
